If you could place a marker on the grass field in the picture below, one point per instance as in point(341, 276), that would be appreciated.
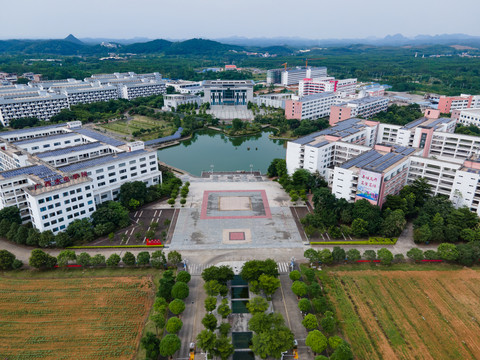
point(409, 314)
point(73, 318)
point(127, 127)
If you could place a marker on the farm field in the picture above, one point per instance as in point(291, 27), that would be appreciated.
point(75, 318)
point(158, 128)
point(409, 314)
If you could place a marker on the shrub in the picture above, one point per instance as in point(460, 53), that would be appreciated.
point(304, 305)
point(174, 325)
point(184, 276)
point(180, 290)
point(128, 259)
point(294, 275)
point(113, 260)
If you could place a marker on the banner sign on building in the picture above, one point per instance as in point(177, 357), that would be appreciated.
point(369, 185)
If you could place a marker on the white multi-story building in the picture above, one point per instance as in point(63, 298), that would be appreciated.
point(363, 159)
point(294, 76)
point(186, 87)
point(172, 101)
point(142, 89)
point(39, 104)
point(59, 173)
point(365, 107)
point(273, 100)
point(469, 117)
point(310, 86)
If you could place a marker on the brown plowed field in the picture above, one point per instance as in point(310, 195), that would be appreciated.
point(409, 314)
point(84, 318)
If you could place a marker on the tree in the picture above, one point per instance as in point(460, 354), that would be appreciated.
point(206, 340)
point(422, 234)
point(62, 240)
point(385, 256)
point(394, 223)
point(132, 190)
point(11, 214)
point(466, 254)
point(328, 322)
point(211, 303)
point(151, 345)
point(294, 275)
point(81, 230)
point(21, 236)
point(213, 287)
point(176, 306)
point(180, 290)
point(159, 321)
point(338, 254)
point(273, 342)
point(325, 256)
point(448, 252)
point(84, 259)
point(415, 254)
point(431, 255)
point(40, 259)
point(128, 259)
point(224, 329)
point(143, 258)
point(342, 352)
point(97, 260)
point(316, 341)
point(353, 255)
point(370, 255)
point(6, 260)
point(112, 214)
point(184, 276)
point(311, 255)
point(12, 232)
point(46, 239)
point(437, 228)
point(310, 322)
point(65, 256)
point(304, 305)
point(224, 348)
point(299, 288)
point(268, 284)
point(174, 325)
point(210, 322)
point(158, 259)
point(169, 345)
point(113, 260)
point(174, 257)
point(224, 310)
point(252, 269)
point(320, 305)
point(334, 341)
point(360, 228)
point(314, 290)
point(257, 305)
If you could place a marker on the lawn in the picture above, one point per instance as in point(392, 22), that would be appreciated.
point(409, 314)
point(73, 318)
point(158, 128)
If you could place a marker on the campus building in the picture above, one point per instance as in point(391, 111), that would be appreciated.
point(448, 103)
point(469, 117)
point(310, 107)
point(228, 92)
point(365, 107)
point(309, 86)
point(172, 101)
point(273, 100)
point(59, 173)
point(186, 87)
point(364, 159)
point(293, 76)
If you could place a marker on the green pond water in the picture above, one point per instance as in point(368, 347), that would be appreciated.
point(209, 147)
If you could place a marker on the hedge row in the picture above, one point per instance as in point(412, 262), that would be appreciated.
point(370, 241)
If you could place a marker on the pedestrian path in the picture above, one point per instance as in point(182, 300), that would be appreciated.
point(197, 269)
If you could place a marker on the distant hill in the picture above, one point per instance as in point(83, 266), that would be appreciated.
point(200, 47)
point(150, 47)
point(73, 39)
point(279, 50)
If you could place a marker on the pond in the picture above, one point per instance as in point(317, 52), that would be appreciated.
point(210, 147)
point(239, 306)
point(240, 292)
point(242, 340)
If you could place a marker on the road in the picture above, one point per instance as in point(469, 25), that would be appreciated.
point(285, 302)
point(191, 317)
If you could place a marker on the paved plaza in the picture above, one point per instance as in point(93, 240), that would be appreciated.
point(235, 215)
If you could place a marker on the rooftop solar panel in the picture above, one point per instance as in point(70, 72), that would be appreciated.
point(99, 161)
point(39, 128)
point(100, 137)
point(69, 150)
point(43, 138)
point(177, 135)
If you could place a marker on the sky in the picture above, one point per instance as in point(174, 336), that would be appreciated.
point(182, 19)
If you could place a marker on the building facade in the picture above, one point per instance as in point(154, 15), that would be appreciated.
point(365, 107)
point(228, 92)
point(310, 86)
point(310, 107)
point(59, 173)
